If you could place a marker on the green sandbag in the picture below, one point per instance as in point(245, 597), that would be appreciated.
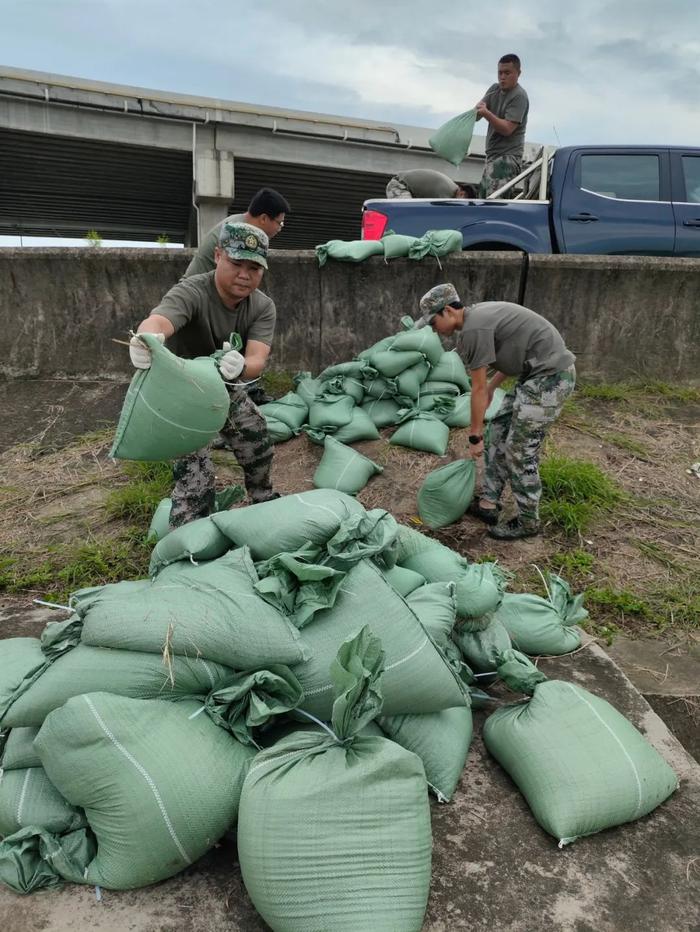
point(278, 431)
point(411, 380)
point(518, 672)
point(403, 580)
point(544, 626)
point(461, 413)
point(434, 386)
point(482, 648)
point(359, 427)
point(495, 406)
point(160, 523)
point(425, 340)
point(352, 251)
point(422, 431)
point(211, 611)
point(439, 405)
point(285, 524)
point(345, 385)
point(390, 363)
point(175, 407)
point(28, 798)
point(196, 540)
point(418, 678)
point(380, 388)
point(450, 368)
point(33, 859)
point(307, 388)
point(581, 766)
point(291, 409)
point(334, 827)
point(446, 493)
point(343, 468)
point(383, 413)
point(19, 752)
point(436, 243)
point(21, 662)
point(382, 344)
point(329, 412)
point(452, 140)
point(298, 585)
point(159, 784)
point(396, 245)
point(435, 608)
point(440, 739)
point(134, 673)
point(355, 368)
point(372, 534)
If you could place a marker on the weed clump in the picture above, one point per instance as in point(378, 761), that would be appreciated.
point(574, 492)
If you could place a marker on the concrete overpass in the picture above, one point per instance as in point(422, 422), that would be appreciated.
point(135, 164)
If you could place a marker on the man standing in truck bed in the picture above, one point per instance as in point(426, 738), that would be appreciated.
point(504, 107)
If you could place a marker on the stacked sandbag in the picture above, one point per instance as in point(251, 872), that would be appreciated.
point(544, 626)
point(433, 243)
point(160, 523)
point(334, 825)
point(446, 493)
point(285, 416)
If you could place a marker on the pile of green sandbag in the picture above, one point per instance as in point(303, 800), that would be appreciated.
point(391, 246)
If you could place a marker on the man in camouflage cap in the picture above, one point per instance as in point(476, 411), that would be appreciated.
point(197, 317)
point(514, 341)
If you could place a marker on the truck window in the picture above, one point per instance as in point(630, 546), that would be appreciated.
point(691, 174)
point(627, 177)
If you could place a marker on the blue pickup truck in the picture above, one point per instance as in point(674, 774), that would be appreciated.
point(598, 200)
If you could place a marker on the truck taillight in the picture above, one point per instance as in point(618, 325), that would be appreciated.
point(373, 224)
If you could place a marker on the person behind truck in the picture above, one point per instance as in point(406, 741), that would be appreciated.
point(505, 107)
point(514, 341)
point(196, 317)
point(424, 182)
point(266, 211)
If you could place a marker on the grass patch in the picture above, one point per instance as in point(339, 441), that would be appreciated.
point(574, 493)
point(277, 382)
point(630, 390)
point(137, 500)
point(623, 442)
point(575, 566)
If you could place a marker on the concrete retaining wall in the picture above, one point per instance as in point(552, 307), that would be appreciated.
point(61, 309)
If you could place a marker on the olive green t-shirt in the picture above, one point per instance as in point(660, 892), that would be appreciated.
point(203, 259)
point(511, 339)
point(508, 105)
point(202, 322)
point(425, 182)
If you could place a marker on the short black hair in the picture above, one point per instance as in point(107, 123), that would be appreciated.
point(510, 59)
point(268, 201)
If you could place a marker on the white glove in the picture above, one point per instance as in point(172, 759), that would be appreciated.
point(140, 354)
point(232, 364)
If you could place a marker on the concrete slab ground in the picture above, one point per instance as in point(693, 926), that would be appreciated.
point(493, 867)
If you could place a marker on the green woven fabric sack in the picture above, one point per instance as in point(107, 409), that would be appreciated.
point(355, 368)
point(403, 580)
point(423, 340)
point(581, 766)
point(440, 739)
point(495, 406)
point(436, 243)
point(450, 368)
point(343, 468)
point(359, 427)
point(21, 662)
point(390, 362)
point(278, 431)
point(372, 534)
point(518, 672)
point(291, 409)
point(382, 344)
point(212, 611)
point(482, 648)
point(440, 406)
point(380, 388)
point(334, 826)
point(160, 523)
point(28, 798)
point(410, 382)
point(307, 388)
point(173, 408)
point(452, 140)
point(329, 412)
point(434, 386)
point(383, 413)
point(422, 431)
point(352, 251)
point(19, 752)
point(461, 413)
point(118, 758)
point(196, 540)
point(285, 524)
point(135, 673)
point(345, 385)
point(435, 607)
point(544, 626)
point(446, 493)
point(417, 679)
point(32, 859)
point(396, 245)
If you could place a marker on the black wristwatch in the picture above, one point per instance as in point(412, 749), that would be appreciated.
point(475, 438)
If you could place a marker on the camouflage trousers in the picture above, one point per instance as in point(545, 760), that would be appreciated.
point(245, 434)
point(397, 188)
point(515, 439)
point(498, 172)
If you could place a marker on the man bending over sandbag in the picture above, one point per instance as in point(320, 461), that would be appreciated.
point(197, 317)
point(514, 341)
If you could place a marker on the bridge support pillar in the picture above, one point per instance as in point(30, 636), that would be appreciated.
point(213, 184)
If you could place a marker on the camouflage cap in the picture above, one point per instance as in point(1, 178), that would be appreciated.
point(434, 301)
point(244, 241)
